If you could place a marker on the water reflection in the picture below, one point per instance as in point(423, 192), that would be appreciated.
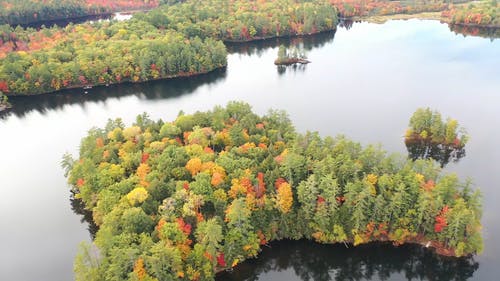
point(304, 260)
point(154, 90)
point(282, 69)
point(258, 47)
point(419, 148)
point(78, 207)
point(65, 22)
point(485, 32)
point(347, 23)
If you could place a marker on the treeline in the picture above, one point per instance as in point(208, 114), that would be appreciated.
point(363, 8)
point(16, 12)
point(186, 199)
point(474, 30)
point(106, 53)
point(485, 13)
point(245, 20)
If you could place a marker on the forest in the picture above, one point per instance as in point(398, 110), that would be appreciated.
point(178, 40)
point(484, 13)
point(16, 12)
point(192, 197)
point(245, 20)
point(364, 8)
point(104, 53)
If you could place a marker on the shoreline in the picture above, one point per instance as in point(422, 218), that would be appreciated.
point(475, 25)
point(263, 38)
point(431, 245)
point(379, 19)
point(291, 61)
point(5, 107)
point(88, 87)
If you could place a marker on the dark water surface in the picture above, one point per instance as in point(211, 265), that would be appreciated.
point(364, 82)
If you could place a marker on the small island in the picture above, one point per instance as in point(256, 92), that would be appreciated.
point(429, 137)
point(186, 199)
point(290, 57)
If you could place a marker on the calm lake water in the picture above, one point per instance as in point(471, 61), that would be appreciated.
point(364, 82)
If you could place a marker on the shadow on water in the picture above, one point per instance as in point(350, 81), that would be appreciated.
point(378, 261)
point(282, 69)
point(440, 152)
point(485, 32)
point(65, 22)
point(308, 42)
point(347, 23)
point(78, 207)
point(153, 90)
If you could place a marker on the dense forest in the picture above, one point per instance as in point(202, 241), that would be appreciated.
point(170, 41)
point(16, 12)
point(186, 199)
point(484, 13)
point(105, 53)
point(363, 8)
point(245, 20)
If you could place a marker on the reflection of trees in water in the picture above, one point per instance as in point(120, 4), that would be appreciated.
point(161, 89)
point(347, 23)
point(308, 43)
point(485, 32)
point(378, 261)
point(66, 22)
point(78, 208)
point(153, 90)
point(419, 148)
point(282, 69)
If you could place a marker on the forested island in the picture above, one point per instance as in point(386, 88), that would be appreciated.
point(429, 136)
point(189, 198)
point(290, 57)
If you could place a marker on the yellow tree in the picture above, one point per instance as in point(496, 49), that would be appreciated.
point(194, 166)
point(284, 197)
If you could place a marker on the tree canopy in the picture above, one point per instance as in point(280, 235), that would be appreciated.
point(170, 41)
point(16, 12)
point(186, 199)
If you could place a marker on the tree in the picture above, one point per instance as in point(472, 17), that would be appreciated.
point(284, 197)
point(194, 166)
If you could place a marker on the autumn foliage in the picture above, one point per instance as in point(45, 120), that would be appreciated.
point(29, 11)
point(480, 14)
point(205, 210)
point(441, 222)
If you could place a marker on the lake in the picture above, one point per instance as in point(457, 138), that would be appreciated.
point(364, 82)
